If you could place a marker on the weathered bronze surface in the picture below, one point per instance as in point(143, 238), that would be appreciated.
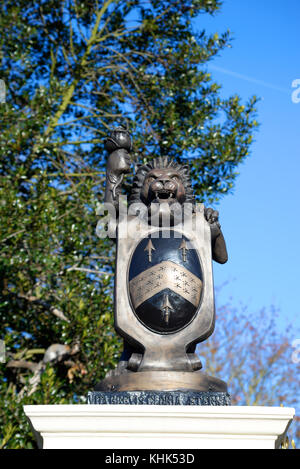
point(164, 300)
point(160, 398)
point(162, 381)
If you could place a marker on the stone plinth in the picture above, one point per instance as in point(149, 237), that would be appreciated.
point(158, 426)
point(160, 398)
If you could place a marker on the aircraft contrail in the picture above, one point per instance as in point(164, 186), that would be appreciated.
point(250, 79)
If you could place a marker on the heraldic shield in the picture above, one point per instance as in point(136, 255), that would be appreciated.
point(165, 282)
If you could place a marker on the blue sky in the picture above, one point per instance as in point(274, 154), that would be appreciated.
point(260, 220)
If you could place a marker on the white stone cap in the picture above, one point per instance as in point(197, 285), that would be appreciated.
point(140, 426)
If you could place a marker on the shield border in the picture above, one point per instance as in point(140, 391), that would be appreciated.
point(163, 351)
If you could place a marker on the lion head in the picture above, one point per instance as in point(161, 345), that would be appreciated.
point(161, 180)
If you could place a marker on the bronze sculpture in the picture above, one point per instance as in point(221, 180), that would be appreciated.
point(164, 301)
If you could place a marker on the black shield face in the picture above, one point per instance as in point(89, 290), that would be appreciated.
point(165, 282)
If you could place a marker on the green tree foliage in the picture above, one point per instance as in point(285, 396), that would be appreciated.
point(72, 70)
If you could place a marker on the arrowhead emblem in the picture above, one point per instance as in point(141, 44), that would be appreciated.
point(184, 249)
point(166, 308)
point(149, 248)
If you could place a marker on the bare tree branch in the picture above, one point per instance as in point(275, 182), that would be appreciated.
point(91, 271)
point(33, 299)
point(22, 364)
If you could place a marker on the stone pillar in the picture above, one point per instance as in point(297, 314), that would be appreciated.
point(158, 426)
